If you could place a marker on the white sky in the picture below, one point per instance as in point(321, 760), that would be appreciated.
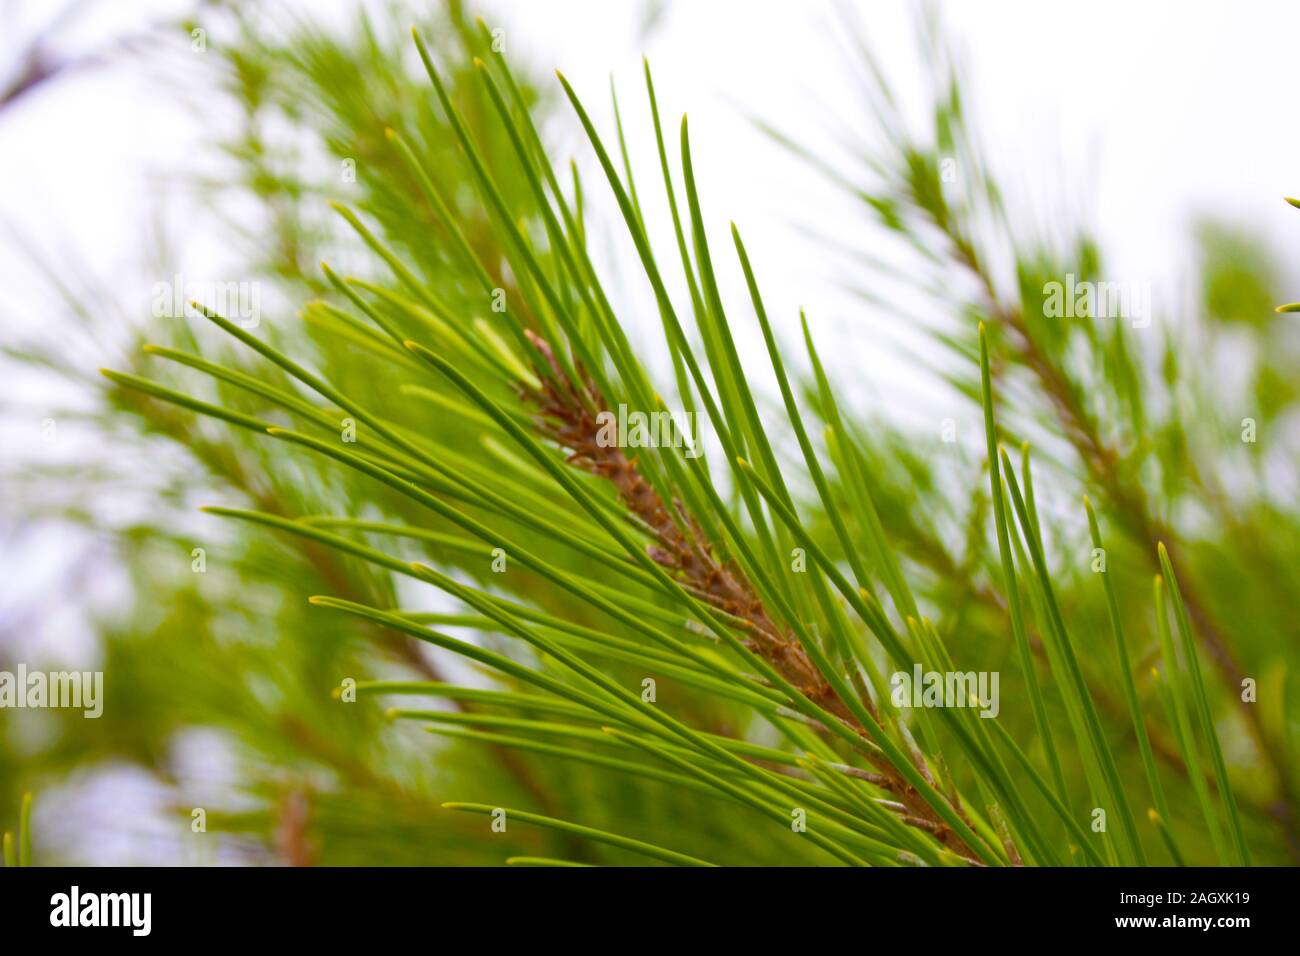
point(1139, 115)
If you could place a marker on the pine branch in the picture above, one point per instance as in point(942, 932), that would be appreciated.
point(691, 560)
